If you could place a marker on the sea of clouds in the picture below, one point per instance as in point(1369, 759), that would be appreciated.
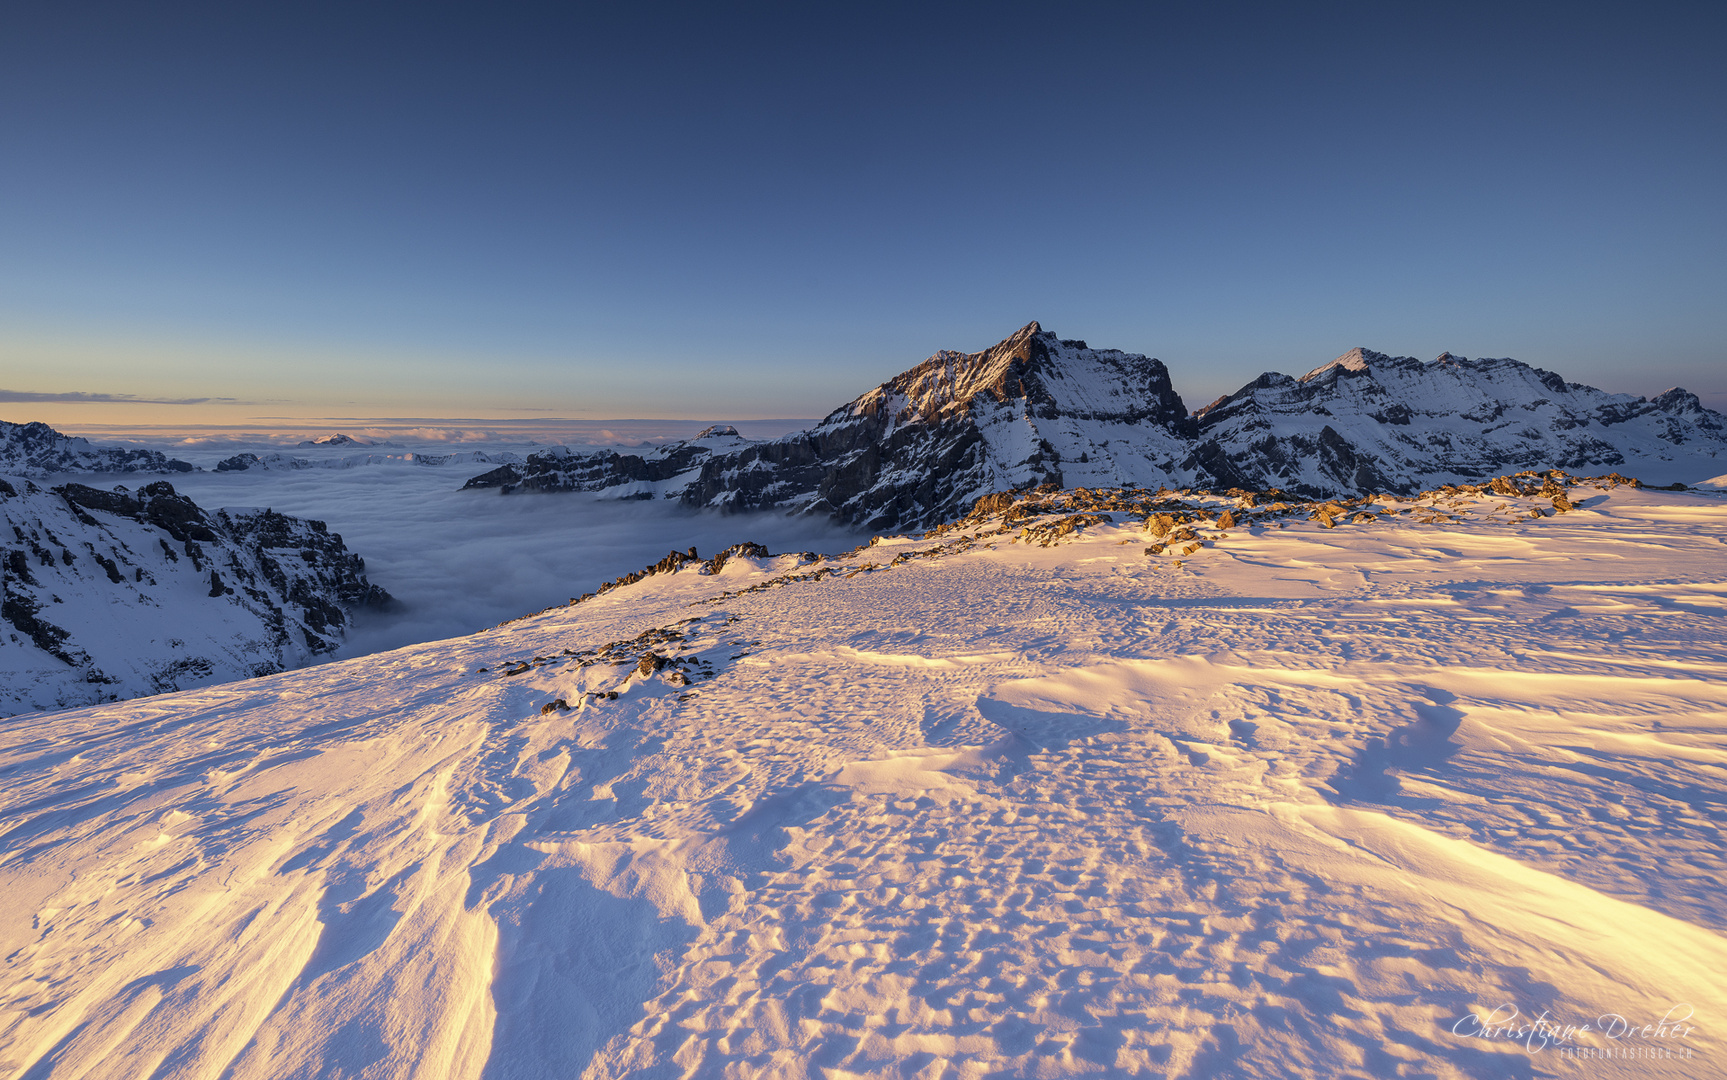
point(460, 561)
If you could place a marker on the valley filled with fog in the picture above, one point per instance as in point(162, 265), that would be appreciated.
point(460, 561)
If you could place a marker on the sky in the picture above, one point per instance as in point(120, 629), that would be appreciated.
point(234, 214)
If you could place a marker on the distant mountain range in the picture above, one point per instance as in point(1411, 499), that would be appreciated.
point(278, 461)
point(1037, 409)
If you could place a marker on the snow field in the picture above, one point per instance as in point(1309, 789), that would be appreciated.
point(1302, 801)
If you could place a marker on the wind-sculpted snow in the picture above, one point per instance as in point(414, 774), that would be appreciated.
point(1425, 786)
point(1036, 409)
point(36, 450)
point(113, 594)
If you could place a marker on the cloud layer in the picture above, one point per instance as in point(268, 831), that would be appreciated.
point(463, 561)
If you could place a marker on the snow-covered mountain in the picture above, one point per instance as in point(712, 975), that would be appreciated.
point(1371, 422)
point(1036, 409)
point(36, 450)
point(1289, 797)
point(340, 439)
point(922, 447)
point(114, 594)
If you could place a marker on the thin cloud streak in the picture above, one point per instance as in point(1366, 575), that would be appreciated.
point(76, 397)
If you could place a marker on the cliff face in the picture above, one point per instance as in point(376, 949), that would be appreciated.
point(114, 594)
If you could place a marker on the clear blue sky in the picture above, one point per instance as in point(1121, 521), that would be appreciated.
point(706, 210)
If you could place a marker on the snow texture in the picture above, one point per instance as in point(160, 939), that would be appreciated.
point(110, 594)
point(1326, 790)
point(1036, 409)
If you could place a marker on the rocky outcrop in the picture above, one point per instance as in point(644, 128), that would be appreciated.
point(110, 594)
point(36, 450)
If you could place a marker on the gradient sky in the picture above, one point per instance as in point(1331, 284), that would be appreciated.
point(762, 210)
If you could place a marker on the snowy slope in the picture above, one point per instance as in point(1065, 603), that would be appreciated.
point(113, 594)
point(36, 450)
point(1317, 793)
point(1371, 422)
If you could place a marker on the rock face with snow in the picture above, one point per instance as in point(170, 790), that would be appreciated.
point(1036, 409)
point(338, 439)
point(37, 450)
point(114, 594)
point(1371, 422)
point(1032, 410)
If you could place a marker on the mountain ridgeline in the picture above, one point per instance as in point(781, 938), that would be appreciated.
point(1037, 409)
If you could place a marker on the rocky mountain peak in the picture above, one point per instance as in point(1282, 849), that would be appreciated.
point(1031, 370)
point(1356, 360)
point(950, 381)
